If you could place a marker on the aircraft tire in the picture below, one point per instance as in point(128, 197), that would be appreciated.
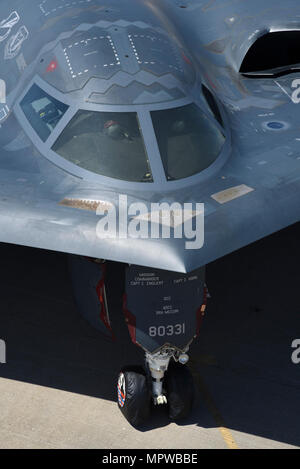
point(134, 395)
point(180, 391)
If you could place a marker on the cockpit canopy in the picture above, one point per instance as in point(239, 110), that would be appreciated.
point(113, 144)
point(106, 143)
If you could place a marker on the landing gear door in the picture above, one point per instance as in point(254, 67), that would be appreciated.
point(163, 307)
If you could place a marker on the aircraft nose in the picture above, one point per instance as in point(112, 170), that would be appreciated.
point(164, 254)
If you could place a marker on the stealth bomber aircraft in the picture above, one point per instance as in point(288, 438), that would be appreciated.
point(142, 105)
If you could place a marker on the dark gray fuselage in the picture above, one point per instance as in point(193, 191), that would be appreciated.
point(145, 56)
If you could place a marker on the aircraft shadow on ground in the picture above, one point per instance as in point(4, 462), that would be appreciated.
point(242, 363)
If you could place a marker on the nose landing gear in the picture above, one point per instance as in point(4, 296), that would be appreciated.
point(172, 382)
point(164, 382)
point(163, 311)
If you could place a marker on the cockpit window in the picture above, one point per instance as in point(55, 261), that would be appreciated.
point(42, 111)
point(106, 143)
point(188, 141)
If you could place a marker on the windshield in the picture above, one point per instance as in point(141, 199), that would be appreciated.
point(188, 141)
point(106, 143)
point(42, 111)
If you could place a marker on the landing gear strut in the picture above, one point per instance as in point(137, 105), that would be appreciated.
point(158, 364)
point(172, 382)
